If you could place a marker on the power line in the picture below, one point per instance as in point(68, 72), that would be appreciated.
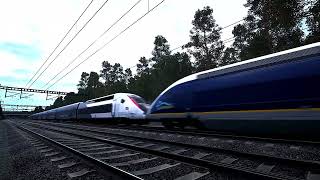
point(107, 43)
point(59, 43)
point(224, 41)
point(69, 42)
point(93, 43)
point(233, 23)
point(218, 31)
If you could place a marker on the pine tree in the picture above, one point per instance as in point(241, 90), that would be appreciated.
point(205, 44)
point(269, 27)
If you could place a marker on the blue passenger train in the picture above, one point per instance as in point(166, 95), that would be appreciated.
point(277, 93)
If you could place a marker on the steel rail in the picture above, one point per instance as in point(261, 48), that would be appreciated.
point(186, 159)
point(194, 132)
point(259, 156)
point(218, 134)
point(95, 161)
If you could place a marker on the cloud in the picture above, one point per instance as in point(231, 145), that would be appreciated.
point(23, 51)
point(31, 29)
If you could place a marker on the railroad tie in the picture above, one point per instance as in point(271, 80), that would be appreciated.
point(97, 149)
point(42, 147)
point(73, 141)
point(58, 159)
point(136, 143)
point(46, 150)
point(146, 145)
point(161, 148)
point(200, 155)
point(39, 145)
point(79, 173)
point(154, 169)
point(119, 156)
point(51, 154)
point(67, 165)
point(115, 138)
point(228, 160)
point(192, 176)
point(91, 146)
point(79, 143)
point(313, 175)
point(36, 143)
point(128, 141)
point(127, 163)
point(265, 167)
point(179, 151)
point(107, 152)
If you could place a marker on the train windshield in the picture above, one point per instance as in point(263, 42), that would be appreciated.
point(141, 103)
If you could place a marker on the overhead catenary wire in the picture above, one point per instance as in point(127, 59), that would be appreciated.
point(69, 42)
point(60, 42)
point(228, 39)
point(223, 41)
point(128, 27)
point(229, 25)
point(233, 24)
point(99, 37)
point(105, 33)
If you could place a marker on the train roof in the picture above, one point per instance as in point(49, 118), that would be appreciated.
point(275, 58)
point(108, 97)
point(279, 57)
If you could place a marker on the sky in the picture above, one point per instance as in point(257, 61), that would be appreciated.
point(30, 30)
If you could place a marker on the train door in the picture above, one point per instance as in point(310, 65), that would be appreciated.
point(114, 108)
point(121, 110)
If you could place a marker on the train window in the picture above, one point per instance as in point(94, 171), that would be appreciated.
point(141, 103)
point(105, 108)
point(101, 99)
point(137, 99)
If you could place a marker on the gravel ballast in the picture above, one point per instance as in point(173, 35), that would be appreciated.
point(20, 160)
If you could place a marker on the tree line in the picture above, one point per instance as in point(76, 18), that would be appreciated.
point(269, 27)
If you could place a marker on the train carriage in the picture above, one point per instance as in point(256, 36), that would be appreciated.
point(277, 93)
point(67, 112)
point(120, 106)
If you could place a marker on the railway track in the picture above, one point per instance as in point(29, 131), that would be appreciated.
point(252, 165)
point(193, 131)
point(71, 162)
point(136, 161)
point(226, 141)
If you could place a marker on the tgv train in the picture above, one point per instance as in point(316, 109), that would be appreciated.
point(117, 106)
point(276, 93)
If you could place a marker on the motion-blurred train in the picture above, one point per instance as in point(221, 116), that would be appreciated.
point(277, 93)
point(119, 106)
